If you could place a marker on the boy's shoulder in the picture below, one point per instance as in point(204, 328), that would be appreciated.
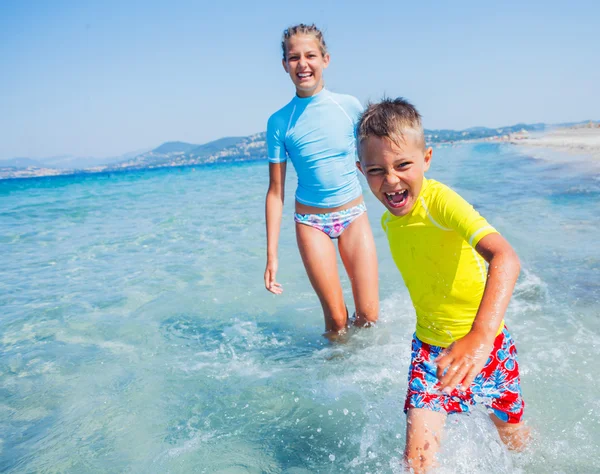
point(439, 196)
point(436, 189)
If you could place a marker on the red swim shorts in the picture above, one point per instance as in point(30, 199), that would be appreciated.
point(497, 386)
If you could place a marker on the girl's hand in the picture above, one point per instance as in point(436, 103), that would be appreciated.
point(270, 283)
point(460, 362)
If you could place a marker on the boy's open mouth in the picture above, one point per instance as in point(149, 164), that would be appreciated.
point(397, 199)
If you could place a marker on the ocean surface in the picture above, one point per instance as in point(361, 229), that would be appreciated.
point(136, 334)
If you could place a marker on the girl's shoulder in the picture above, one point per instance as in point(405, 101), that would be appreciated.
point(347, 101)
point(282, 115)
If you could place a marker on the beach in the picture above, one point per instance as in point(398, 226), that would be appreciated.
point(582, 141)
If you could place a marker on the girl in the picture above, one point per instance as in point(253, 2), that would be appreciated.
point(316, 131)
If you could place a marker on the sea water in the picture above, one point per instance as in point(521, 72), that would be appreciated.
point(136, 334)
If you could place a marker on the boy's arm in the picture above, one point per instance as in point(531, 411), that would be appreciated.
point(465, 358)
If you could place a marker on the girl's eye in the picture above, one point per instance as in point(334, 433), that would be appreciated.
point(404, 164)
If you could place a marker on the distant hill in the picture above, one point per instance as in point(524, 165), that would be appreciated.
point(20, 163)
point(63, 164)
point(223, 150)
point(478, 133)
point(174, 147)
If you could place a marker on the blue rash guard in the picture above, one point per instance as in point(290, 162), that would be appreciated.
point(317, 133)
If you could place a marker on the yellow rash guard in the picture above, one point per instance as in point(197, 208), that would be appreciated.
point(434, 248)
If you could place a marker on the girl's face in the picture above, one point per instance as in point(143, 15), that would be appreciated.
point(305, 64)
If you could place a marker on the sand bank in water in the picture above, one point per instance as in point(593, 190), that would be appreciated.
point(583, 141)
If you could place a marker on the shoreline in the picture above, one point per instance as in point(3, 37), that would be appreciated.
point(578, 143)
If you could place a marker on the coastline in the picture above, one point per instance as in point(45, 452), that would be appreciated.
point(577, 143)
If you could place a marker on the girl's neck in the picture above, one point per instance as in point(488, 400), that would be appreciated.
point(307, 94)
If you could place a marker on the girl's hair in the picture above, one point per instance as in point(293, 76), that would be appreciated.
point(302, 29)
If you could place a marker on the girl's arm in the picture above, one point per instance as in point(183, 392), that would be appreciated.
point(466, 357)
point(273, 212)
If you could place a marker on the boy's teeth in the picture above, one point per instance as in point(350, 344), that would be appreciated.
point(397, 198)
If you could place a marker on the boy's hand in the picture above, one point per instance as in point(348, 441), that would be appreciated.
point(460, 362)
point(270, 283)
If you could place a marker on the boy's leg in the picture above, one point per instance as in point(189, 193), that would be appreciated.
point(507, 405)
point(423, 433)
point(357, 249)
point(514, 435)
point(320, 260)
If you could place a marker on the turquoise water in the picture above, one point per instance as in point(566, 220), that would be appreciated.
point(136, 334)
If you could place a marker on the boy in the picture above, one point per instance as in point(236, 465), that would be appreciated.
point(439, 244)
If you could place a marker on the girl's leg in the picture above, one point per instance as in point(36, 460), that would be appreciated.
point(320, 260)
point(423, 433)
point(514, 435)
point(357, 249)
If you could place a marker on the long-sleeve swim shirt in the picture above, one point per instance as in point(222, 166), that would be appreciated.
point(433, 246)
point(318, 134)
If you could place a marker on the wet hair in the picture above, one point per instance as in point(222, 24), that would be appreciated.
point(302, 29)
point(391, 119)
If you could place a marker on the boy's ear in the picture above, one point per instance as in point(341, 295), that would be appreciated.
point(284, 63)
point(427, 158)
point(359, 166)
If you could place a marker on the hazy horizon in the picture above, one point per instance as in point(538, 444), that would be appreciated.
point(103, 79)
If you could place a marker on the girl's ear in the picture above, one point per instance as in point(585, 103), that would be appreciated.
point(326, 59)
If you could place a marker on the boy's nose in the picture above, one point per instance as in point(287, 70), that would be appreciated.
point(391, 178)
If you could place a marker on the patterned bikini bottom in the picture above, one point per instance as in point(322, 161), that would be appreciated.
point(332, 223)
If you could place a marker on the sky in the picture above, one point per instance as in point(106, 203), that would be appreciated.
point(103, 78)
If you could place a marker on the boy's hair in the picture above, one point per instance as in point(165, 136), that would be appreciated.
point(302, 29)
point(391, 119)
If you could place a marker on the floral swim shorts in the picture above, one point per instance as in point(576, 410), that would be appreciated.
point(497, 386)
point(332, 223)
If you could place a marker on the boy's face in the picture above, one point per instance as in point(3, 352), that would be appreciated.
point(395, 174)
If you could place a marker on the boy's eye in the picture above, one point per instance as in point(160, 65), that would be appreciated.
point(374, 171)
point(403, 165)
